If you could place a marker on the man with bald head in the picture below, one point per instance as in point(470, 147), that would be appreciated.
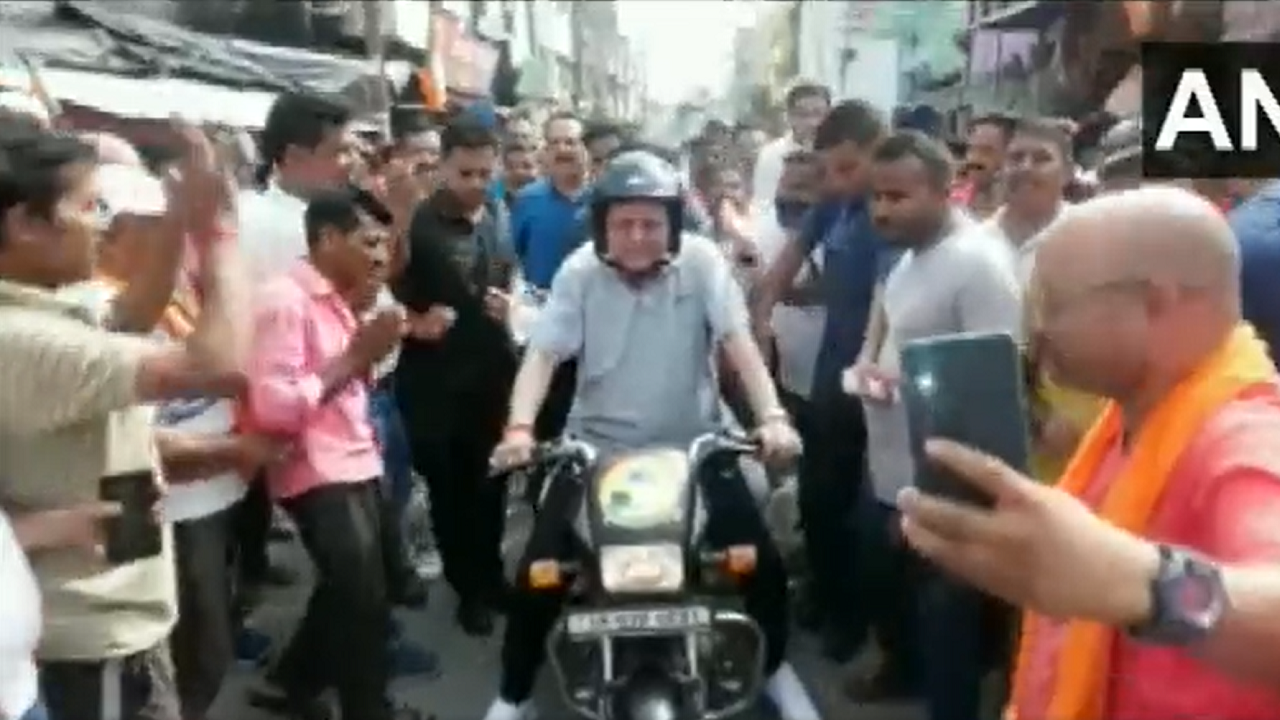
point(1137, 300)
point(1161, 243)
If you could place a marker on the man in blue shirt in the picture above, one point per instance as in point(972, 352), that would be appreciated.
point(545, 229)
point(1256, 223)
point(544, 214)
point(854, 259)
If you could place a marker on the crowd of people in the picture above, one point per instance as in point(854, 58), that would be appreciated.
point(312, 335)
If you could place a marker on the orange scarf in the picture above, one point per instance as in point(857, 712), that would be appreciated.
point(179, 318)
point(1081, 668)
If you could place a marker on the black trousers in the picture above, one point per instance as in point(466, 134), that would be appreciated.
point(559, 401)
point(135, 687)
point(468, 510)
point(832, 472)
point(203, 642)
point(889, 572)
point(341, 641)
point(252, 529)
point(732, 518)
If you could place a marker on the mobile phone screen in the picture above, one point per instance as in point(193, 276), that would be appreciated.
point(968, 388)
point(135, 534)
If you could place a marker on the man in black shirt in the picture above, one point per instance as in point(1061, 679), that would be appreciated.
point(455, 373)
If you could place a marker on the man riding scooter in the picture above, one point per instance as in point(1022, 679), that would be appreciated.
point(645, 308)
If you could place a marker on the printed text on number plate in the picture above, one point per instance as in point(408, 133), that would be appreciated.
point(633, 621)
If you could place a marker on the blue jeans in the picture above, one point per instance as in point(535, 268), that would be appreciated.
point(396, 457)
point(36, 712)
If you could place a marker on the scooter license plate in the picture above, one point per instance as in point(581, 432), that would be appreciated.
point(638, 622)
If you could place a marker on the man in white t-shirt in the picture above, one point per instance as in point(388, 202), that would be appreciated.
point(19, 628)
point(806, 104)
point(301, 132)
point(1038, 167)
point(20, 615)
point(204, 460)
point(798, 324)
point(953, 278)
point(307, 144)
point(783, 185)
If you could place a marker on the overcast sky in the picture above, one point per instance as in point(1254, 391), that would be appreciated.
point(687, 45)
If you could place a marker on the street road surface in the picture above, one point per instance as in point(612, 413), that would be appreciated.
point(470, 665)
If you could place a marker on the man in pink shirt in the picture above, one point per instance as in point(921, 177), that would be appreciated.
point(309, 376)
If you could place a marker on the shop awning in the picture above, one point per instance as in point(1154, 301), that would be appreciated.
point(87, 38)
point(152, 98)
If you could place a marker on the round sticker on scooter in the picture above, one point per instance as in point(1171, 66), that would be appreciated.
point(644, 489)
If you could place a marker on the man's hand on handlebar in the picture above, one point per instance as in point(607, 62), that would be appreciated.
point(515, 449)
point(779, 441)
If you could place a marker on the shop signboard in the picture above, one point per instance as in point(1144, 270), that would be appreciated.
point(468, 62)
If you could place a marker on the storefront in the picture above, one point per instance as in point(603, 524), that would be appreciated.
point(466, 63)
point(1101, 49)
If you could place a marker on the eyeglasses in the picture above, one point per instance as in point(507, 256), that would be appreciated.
point(94, 212)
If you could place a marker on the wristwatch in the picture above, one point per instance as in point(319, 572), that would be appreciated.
point(1188, 599)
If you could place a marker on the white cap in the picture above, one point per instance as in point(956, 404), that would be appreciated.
point(129, 190)
point(23, 102)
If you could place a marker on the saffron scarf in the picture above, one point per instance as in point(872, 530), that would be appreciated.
point(1081, 668)
point(179, 317)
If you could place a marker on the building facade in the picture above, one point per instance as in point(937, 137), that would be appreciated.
point(1084, 56)
point(849, 47)
point(597, 57)
point(931, 57)
point(765, 63)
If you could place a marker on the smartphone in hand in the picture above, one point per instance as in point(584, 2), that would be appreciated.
point(969, 388)
point(134, 534)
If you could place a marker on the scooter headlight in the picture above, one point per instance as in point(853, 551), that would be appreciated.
point(655, 568)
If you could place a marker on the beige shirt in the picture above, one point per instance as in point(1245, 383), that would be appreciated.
point(68, 417)
point(1024, 253)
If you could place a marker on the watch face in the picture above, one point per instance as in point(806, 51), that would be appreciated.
point(1189, 599)
point(1196, 597)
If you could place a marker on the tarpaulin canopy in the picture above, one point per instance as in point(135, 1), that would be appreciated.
point(152, 98)
point(78, 39)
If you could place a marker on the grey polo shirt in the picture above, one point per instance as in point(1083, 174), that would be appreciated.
point(646, 370)
point(967, 282)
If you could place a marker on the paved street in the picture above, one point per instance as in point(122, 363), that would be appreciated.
point(470, 665)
